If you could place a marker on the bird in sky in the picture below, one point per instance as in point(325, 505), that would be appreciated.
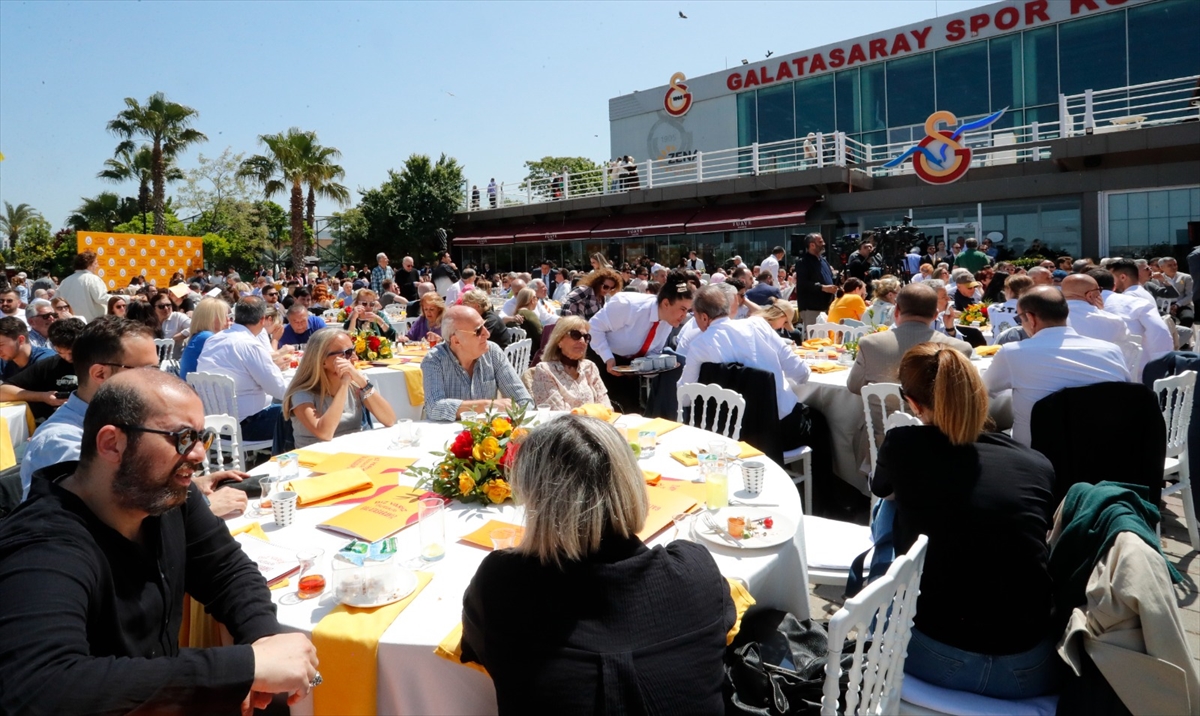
point(682, 15)
point(449, 93)
point(770, 52)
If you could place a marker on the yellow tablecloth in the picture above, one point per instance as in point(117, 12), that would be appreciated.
point(29, 421)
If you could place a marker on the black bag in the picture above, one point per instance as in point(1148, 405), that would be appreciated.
point(776, 666)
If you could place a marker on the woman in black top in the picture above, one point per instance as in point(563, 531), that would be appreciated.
point(582, 617)
point(984, 616)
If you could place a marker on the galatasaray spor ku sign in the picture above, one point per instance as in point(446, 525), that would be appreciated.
point(939, 158)
point(677, 100)
point(123, 256)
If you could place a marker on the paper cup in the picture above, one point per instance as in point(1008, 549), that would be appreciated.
point(283, 504)
point(753, 473)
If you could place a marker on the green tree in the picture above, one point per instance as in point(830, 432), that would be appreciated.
point(404, 213)
point(214, 182)
point(103, 212)
point(39, 249)
point(172, 226)
point(322, 180)
point(167, 126)
point(587, 177)
point(129, 164)
point(349, 230)
point(15, 220)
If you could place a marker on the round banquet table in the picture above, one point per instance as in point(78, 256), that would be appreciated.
point(14, 414)
point(412, 679)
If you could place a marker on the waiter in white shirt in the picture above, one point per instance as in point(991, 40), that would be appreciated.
point(1136, 307)
point(632, 325)
point(771, 264)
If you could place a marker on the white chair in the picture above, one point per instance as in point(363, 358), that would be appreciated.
point(922, 697)
point(166, 355)
point(518, 354)
point(841, 333)
point(802, 456)
point(900, 419)
point(395, 311)
point(219, 397)
point(882, 613)
point(1164, 305)
point(852, 323)
point(689, 393)
point(881, 393)
point(1131, 348)
point(1176, 394)
point(227, 429)
point(330, 316)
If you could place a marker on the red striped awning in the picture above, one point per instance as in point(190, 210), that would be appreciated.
point(652, 223)
point(744, 217)
point(484, 236)
point(569, 230)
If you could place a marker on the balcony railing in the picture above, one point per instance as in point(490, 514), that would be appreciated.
point(1091, 112)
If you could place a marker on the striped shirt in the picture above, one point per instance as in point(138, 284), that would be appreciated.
point(447, 385)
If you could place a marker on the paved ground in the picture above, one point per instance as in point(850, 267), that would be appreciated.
point(824, 601)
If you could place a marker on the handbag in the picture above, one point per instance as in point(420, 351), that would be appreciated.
point(776, 665)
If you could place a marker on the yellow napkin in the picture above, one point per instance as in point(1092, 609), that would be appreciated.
point(414, 380)
point(986, 351)
point(661, 426)
point(316, 489)
point(450, 647)
point(596, 410)
point(827, 367)
point(348, 641)
point(815, 343)
point(8, 456)
point(29, 421)
point(482, 537)
point(306, 458)
point(652, 478)
point(690, 459)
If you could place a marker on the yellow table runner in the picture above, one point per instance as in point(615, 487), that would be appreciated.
point(8, 456)
point(690, 459)
point(661, 426)
point(347, 640)
point(29, 421)
point(414, 380)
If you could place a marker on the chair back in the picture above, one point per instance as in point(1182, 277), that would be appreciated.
point(880, 395)
point(1175, 394)
point(881, 613)
point(216, 392)
point(395, 310)
point(761, 427)
point(999, 327)
point(330, 316)
point(900, 419)
point(1164, 305)
point(518, 354)
point(852, 323)
point(166, 355)
point(727, 404)
point(1131, 349)
point(840, 333)
point(227, 428)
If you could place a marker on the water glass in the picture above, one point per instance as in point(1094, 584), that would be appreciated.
point(503, 538)
point(267, 485)
point(406, 434)
point(289, 466)
point(431, 515)
point(647, 441)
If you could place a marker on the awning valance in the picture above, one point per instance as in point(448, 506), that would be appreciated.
point(746, 217)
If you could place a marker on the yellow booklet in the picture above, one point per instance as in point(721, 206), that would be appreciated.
point(334, 484)
point(374, 465)
point(667, 499)
point(378, 517)
point(482, 537)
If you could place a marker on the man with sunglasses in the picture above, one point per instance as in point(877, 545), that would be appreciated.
point(463, 373)
point(94, 567)
point(39, 314)
point(107, 347)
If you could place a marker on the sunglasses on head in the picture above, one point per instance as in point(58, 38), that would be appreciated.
point(184, 438)
point(348, 354)
point(577, 335)
point(609, 287)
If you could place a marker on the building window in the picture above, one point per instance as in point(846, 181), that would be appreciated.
point(1151, 222)
point(1092, 53)
point(815, 106)
point(962, 86)
point(849, 102)
point(874, 98)
point(910, 90)
point(747, 119)
point(1159, 35)
point(1041, 65)
point(1006, 72)
point(776, 113)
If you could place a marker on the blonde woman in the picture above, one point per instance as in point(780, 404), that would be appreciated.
point(565, 379)
point(328, 394)
point(779, 314)
point(526, 308)
point(882, 310)
point(364, 315)
point(211, 316)
point(581, 586)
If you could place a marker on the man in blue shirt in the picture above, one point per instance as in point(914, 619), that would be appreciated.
point(763, 292)
point(16, 352)
point(301, 325)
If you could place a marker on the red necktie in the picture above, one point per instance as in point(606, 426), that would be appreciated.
point(649, 340)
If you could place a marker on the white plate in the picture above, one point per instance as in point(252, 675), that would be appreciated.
point(407, 585)
point(782, 530)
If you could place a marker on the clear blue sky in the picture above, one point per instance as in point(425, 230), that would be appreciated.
point(372, 79)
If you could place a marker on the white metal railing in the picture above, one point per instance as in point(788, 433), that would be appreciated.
point(1102, 111)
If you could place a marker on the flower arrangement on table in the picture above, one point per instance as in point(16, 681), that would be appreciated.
point(974, 315)
point(369, 346)
point(474, 466)
point(340, 305)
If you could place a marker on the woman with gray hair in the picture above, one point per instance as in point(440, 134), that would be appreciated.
point(574, 616)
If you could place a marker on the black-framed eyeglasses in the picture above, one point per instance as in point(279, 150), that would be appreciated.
point(271, 293)
point(477, 331)
point(577, 335)
point(348, 354)
point(123, 366)
point(185, 438)
point(160, 306)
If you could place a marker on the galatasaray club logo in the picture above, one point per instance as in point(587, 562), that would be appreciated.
point(939, 158)
point(677, 100)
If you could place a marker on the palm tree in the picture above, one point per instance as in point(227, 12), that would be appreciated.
point(14, 220)
point(294, 159)
point(137, 165)
point(99, 213)
point(166, 125)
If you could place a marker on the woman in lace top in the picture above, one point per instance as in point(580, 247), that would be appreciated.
point(565, 378)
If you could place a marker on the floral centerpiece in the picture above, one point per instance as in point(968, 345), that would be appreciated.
point(369, 346)
point(340, 306)
point(474, 466)
point(974, 315)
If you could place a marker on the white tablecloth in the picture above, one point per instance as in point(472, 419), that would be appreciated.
point(390, 384)
point(18, 427)
point(415, 681)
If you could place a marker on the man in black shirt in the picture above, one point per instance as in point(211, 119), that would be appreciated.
point(445, 274)
point(95, 564)
point(859, 264)
point(44, 385)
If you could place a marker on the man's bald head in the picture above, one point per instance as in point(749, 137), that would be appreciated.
point(1077, 286)
point(516, 285)
point(458, 317)
point(1046, 306)
point(1041, 276)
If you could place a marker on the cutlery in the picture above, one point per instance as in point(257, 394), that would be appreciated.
point(712, 524)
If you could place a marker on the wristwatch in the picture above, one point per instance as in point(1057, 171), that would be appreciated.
point(367, 389)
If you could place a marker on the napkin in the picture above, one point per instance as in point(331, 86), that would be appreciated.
point(815, 343)
point(306, 458)
point(323, 487)
point(596, 410)
point(348, 641)
point(690, 459)
point(827, 367)
point(661, 426)
point(652, 478)
point(414, 380)
point(482, 537)
point(8, 456)
point(986, 351)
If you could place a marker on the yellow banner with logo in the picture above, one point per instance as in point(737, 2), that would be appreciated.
point(157, 258)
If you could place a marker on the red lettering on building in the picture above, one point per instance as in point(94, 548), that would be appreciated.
point(751, 79)
point(1114, 3)
point(956, 30)
point(734, 81)
point(857, 54)
point(900, 45)
point(1007, 18)
point(978, 22)
point(878, 48)
point(817, 64)
point(837, 57)
point(762, 75)
point(1036, 10)
point(799, 63)
point(921, 35)
point(784, 72)
point(1077, 5)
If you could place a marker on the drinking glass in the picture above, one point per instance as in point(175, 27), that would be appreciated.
point(431, 517)
point(307, 585)
point(647, 441)
point(406, 434)
point(289, 467)
point(503, 538)
point(542, 415)
point(262, 506)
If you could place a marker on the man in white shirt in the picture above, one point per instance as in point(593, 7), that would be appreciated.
point(84, 290)
point(238, 352)
point(771, 264)
point(544, 313)
point(693, 263)
point(1088, 317)
point(1124, 297)
point(752, 343)
point(690, 330)
point(10, 305)
point(1052, 358)
point(466, 283)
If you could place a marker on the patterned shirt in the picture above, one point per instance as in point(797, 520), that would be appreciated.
point(582, 302)
point(551, 384)
point(379, 274)
point(447, 385)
